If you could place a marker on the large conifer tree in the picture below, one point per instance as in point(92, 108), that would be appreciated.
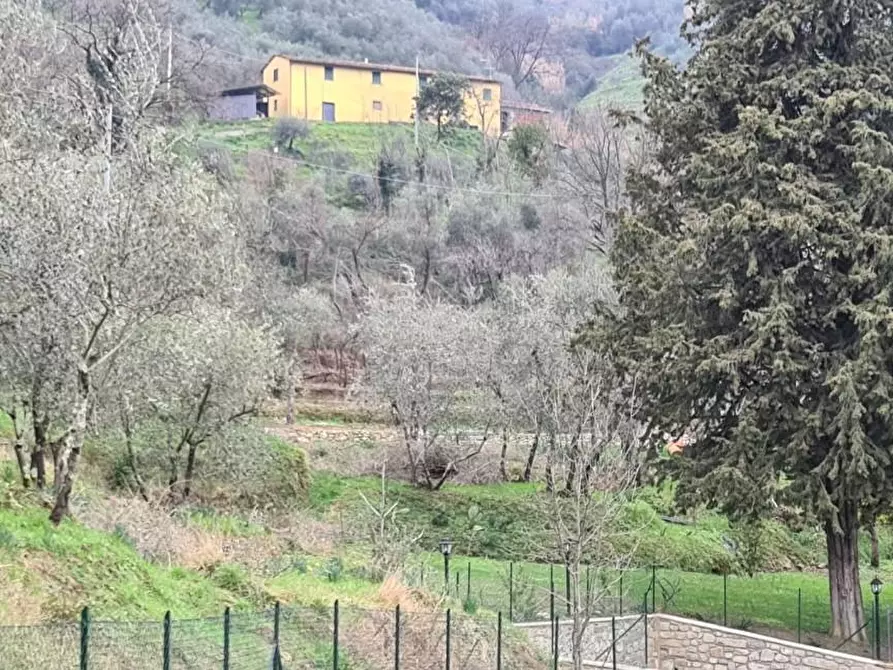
point(756, 265)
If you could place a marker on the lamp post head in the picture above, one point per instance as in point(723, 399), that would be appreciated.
point(876, 586)
point(446, 547)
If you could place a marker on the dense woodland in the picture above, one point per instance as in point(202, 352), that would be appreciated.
point(554, 52)
point(717, 269)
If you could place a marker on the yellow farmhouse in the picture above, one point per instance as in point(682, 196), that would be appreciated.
point(351, 92)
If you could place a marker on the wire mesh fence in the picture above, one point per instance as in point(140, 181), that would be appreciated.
point(352, 638)
point(278, 638)
point(765, 604)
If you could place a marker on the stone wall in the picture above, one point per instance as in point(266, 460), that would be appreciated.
point(630, 646)
point(680, 644)
point(674, 643)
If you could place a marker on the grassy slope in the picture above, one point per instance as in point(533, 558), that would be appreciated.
point(60, 570)
point(500, 522)
point(359, 141)
point(622, 86)
point(493, 524)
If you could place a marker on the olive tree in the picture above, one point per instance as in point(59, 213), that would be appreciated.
point(426, 361)
point(102, 232)
point(190, 376)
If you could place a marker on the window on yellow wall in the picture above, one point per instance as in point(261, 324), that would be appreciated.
point(376, 78)
point(330, 73)
point(275, 105)
point(276, 74)
point(488, 94)
point(376, 105)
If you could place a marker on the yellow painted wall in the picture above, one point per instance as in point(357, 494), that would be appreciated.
point(303, 89)
point(280, 105)
point(484, 115)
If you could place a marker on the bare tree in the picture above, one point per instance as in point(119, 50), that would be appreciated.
point(583, 420)
point(591, 171)
point(426, 361)
point(593, 451)
point(518, 40)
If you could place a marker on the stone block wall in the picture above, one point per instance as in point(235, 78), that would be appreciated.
point(630, 647)
point(683, 644)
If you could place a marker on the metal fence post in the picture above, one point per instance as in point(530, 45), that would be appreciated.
point(276, 616)
point(468, 583)
point(551, 592)
point(499, 641)
point(511, 591)
point(397, 638)
point(653, 588)
point(166, 646)
point(567, 585)
point(557, 640)
point(613, 644)
point(226, 628)
point(554, 650)
point(725, 599)
point(457, 583)
point(799, 613)
point(85, 639)
point(645, 636)
point(335, 638)
point(448, 650)
point(621, 593)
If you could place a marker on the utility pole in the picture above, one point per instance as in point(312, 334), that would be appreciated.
point(418, 92)
point(170, 66)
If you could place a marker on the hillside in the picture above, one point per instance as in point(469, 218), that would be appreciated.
point(551, 53)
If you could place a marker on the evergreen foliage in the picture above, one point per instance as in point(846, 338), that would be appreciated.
point(442, 101)
point(755, 267)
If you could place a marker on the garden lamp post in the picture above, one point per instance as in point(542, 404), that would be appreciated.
point(446, 548)
point(876, 587)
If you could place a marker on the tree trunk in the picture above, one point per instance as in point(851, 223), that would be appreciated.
point(38, 456)
point(190, 469)
point(19, 448)
point(131, 461)
point(503, 470)
point(875, 546)
point(847, 616)
point(290, 381)
point(550, 480)
point(531, 456)
point(70, 450)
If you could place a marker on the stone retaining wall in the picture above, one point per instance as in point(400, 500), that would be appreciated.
point(680, 644)
point(675, 643)
point(630, 647)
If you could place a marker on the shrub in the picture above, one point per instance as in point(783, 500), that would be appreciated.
point(289, 129)
point(333, 569)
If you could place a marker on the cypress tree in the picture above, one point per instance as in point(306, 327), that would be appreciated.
point(755, 265)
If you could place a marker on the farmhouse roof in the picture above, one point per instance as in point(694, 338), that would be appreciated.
point(378, 67)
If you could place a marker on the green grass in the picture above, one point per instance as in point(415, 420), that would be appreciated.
point(767, 601)
point(506, 521)
point(77, 566)
point(6, 427)
point(359, 143)
point(622, 86)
